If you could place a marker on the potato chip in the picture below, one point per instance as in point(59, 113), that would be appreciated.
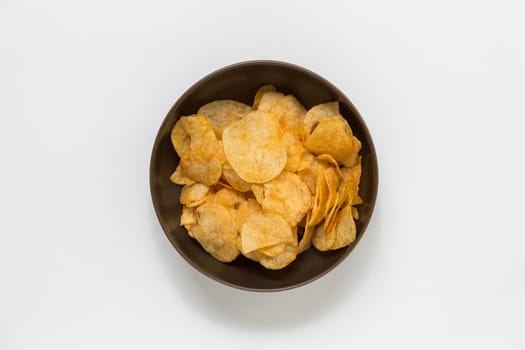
point(234, 180)
point(330, 160)
point(264, 230)
point(258, 192)
point(332, 182)
point(274, 250)
point(332, 135)
point(222, 113)
point(288, 196)
point(306, 240)
point(259, 94)
point(246, 209)
point(350, 183)
point(321, 239)
point(321, 193)
point(215, 230)
point(268, 99)
point(280, 261)
point(294, 152)
point(193, 133)
point(255, 147)
point(180, 178)
point(345, 230)
point(201, 168)
point(317, 112)
point(187, 217)
point(355, 213)
point(290, 114)
point(194, 195)
point(228, 198)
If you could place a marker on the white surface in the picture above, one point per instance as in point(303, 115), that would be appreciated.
point(84, 87)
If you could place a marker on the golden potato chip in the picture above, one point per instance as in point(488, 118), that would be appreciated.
point(281, 260)
point(180, 178)
point(258, 192)
point(306, 240)
point(330, 160)
point(268, 99)
point(355, 213)
point(201, 168)
point(228, 198)
point(222, 113)
point(294, 152)
point(321, 192)
point(290, 114)
point(332, 182)
point(255, 147)
point(317, 112)
point(215, 230)
point(244, 211)
point(345, 230)
point(350, 183)
point(193, 133)
point(264, 230)
point(259, 94)
point(288, 196)
point(234, 180)
point(274, 250)
point(194, 195)
point(332, 135)
point(187, 217)
point(321, 239)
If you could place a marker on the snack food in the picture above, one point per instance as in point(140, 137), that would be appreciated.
point(267, 181)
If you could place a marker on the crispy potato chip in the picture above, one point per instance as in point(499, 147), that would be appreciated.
point(187, 217)
point(194, 195)
point(273, 250)
point(332, 135)
point(317, 112)
point(287, 195)
point(255, 147)
point(215, 230)
point(306, 240)
point(350, 183)
point(345, 230)
point(234, 180)
point(294, 152)
point(321, 193)
point(258, 192)
point(321, 239)
point(290, 114)
point(199, 167)
point(228, 198)
point(282, 260)
point(264, 230)
point(222, 113)
point(268, 99)
point(180, 178)
point(332, 182)
point(259, 94)
point(246, 209)
point(193, 133)
point(330, 160)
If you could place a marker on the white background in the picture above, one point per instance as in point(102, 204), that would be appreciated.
point(84, 87)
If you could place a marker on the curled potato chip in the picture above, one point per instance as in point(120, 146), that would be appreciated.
point(180, 178)
point(268, 99)
point(344, 227)
point(255, 147)
point(194, 195)
point(234, 180)
point(201, 168)
point(323, 240)
point(308, 178)
point(246, 209)
point(306, 240)
point(259, 94)
point(288, 196)
point(330, 160)
point(222, 113)
point(215, 230)
point(307, 159)
point(264, 230)
point(332, 135)
point(350, 183)
point(317, 112)
point(332, 182)
point(228, 198)
point(321, 193)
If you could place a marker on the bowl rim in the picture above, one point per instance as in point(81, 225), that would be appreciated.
point(356, 114)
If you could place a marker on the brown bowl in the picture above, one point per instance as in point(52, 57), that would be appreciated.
point(240, 82)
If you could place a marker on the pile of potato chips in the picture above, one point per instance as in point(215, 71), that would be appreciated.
point(267, 180)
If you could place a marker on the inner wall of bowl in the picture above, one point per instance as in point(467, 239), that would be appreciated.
point(240, 82)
